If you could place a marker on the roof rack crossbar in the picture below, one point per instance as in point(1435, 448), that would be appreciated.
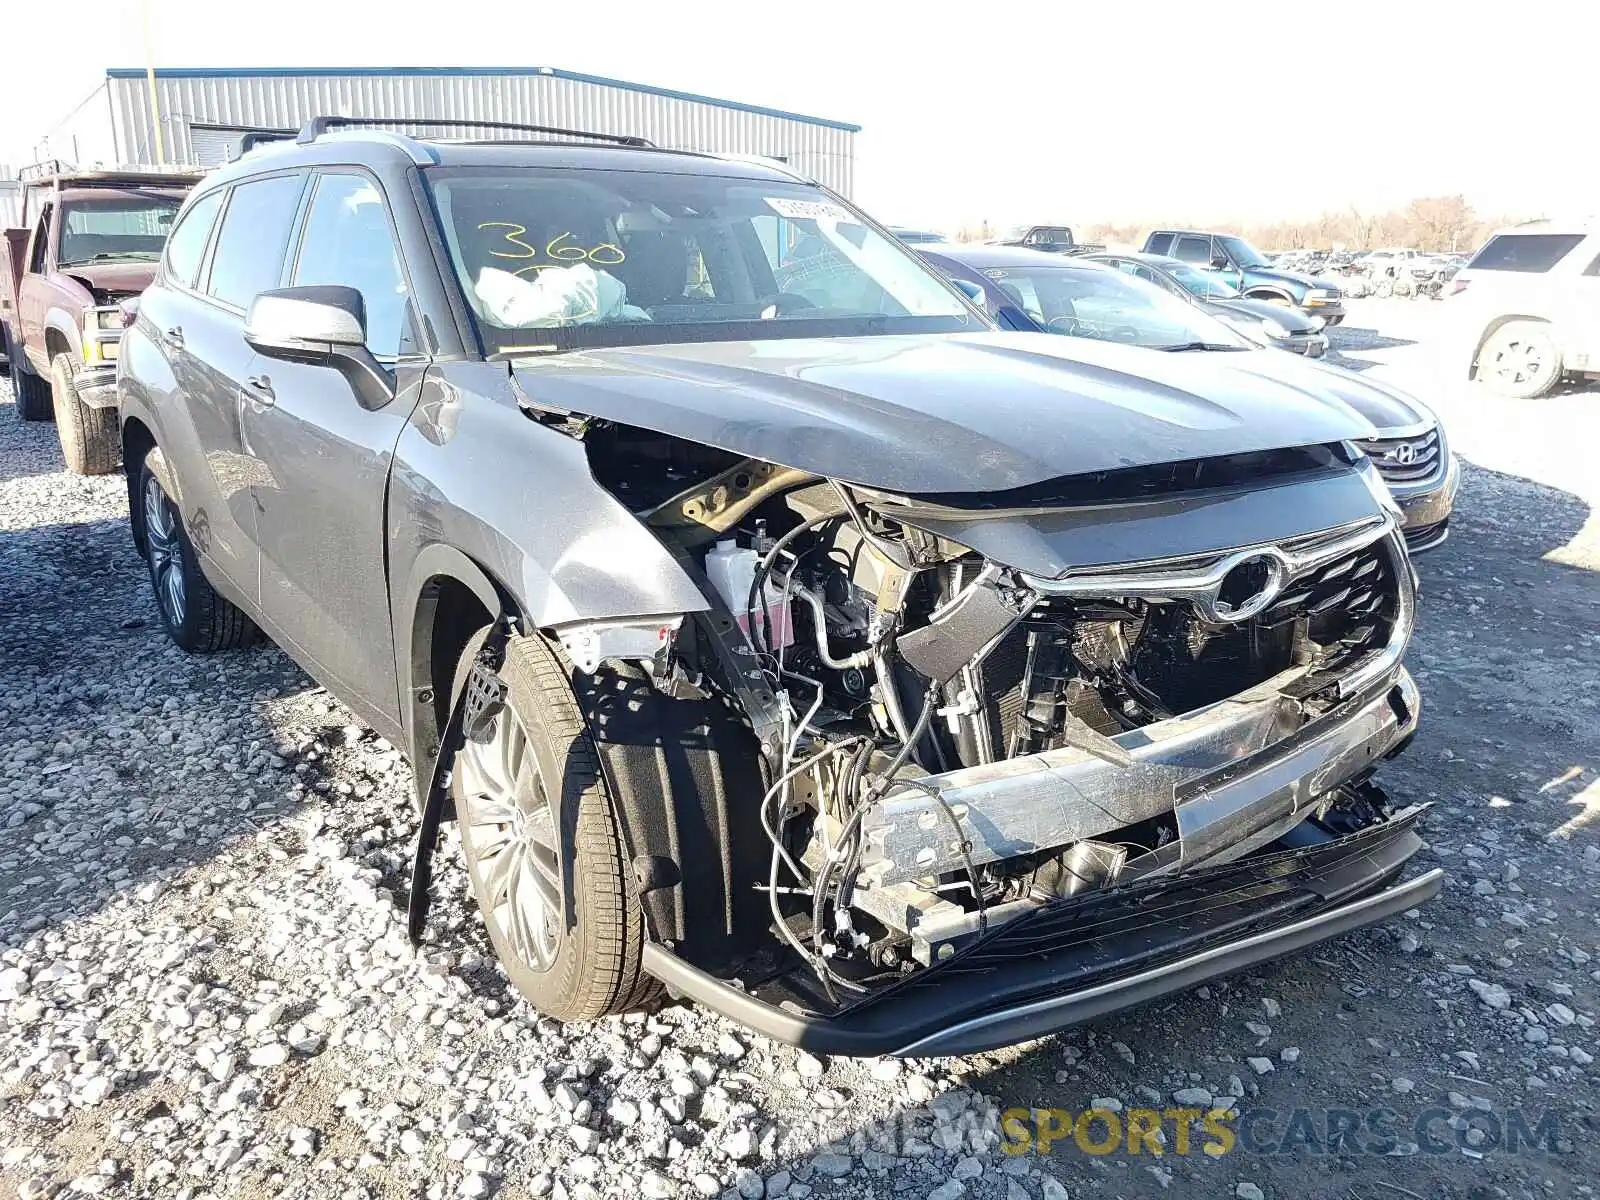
point(317, 126)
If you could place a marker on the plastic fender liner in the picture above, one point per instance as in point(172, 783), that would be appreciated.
point(685, 782)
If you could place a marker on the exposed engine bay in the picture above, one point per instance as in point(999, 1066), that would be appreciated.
point(951, 741)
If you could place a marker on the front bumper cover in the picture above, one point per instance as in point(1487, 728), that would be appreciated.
point(96, 386)
point(1081, 958)
point(1425, 507)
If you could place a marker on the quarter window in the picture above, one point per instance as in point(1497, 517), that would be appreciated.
point(255, 233)
point(348, 241)
point(1529, 253)
point(187, 245)
point(1160, 243)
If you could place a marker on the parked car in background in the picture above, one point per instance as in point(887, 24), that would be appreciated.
point(1277, 325)
point(661, 559)
point(916, 237)
point(1086, 298)
point(1527, 307)
point(1390, 264)
point(90, 241)
point(1053, 239)
point(1241, 265)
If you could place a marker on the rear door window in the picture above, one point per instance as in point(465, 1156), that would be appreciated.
point(41, 242)
point(1194, 249)
point(1528, 253)
point(255, 233)
point(1159, 243)
point(187, 245)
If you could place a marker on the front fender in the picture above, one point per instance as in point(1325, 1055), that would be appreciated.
point(473, 472)
point(64, 323)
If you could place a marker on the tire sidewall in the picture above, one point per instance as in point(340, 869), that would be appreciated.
point(561, 988)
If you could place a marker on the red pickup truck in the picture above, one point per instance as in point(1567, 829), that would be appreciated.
point(90, 240)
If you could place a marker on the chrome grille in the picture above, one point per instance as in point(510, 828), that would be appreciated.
point(1405, 459)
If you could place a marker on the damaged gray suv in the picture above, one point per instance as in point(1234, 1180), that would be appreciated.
point(777, 632)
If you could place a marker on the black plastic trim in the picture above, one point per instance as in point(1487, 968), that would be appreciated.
point(963, 1027)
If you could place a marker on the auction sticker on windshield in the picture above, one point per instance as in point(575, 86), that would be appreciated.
point(807, 210)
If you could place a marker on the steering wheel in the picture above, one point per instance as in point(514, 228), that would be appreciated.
point(1063, 324)
point(784, 302)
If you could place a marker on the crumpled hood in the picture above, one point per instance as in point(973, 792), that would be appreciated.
point(945, 413)
point(1388, 408)
point(122, 278)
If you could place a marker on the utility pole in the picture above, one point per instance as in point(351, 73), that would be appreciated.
point(150, 81)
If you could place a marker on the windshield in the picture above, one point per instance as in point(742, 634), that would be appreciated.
point(127, 227)
point(1243, 252)
point(1206, 284)
point(1103, 304)
point(560, 257)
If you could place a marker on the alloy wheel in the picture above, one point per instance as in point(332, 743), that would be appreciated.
point(513, 838)
point(164, 548)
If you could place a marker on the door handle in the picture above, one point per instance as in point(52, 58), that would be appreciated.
point(260, 390)
point(174, 337)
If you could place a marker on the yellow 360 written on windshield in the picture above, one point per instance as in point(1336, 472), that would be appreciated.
point(563, 249)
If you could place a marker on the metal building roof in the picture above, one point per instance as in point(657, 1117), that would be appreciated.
point(384, 72)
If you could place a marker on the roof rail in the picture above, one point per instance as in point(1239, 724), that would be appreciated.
point(318, 126)
point(251, 138)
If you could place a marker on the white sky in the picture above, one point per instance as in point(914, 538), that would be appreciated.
point(1133, 111)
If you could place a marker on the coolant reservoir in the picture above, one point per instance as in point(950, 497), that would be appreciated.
point(731, 570)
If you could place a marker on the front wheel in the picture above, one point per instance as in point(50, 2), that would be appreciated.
point(542, 847)
point(90, 440)
point(1520, 360)
point(196, 617)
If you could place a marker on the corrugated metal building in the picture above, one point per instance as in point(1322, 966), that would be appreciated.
point(203, 111)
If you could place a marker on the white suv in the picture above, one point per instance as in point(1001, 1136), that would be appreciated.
point(1528, 306)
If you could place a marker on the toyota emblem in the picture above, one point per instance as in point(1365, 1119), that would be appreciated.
point(1251, 581)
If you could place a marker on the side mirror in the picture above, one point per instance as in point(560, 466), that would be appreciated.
point(972, 292)
point(1219, 262)
point(324, 326)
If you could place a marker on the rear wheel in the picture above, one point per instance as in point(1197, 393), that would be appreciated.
point(542, 846)
point(31, 393)
point(197, 618)
point(1520, 359)
point(90, 440)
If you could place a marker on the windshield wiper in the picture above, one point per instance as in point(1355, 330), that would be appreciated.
point(1182, 347)
point(112, 256)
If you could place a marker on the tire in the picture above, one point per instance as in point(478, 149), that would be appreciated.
point(31, 393)
point(554, 887)
point(90, 440)
point(196, 617)
point(1520, 359)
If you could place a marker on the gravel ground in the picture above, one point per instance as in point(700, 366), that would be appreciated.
point(205, 987)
